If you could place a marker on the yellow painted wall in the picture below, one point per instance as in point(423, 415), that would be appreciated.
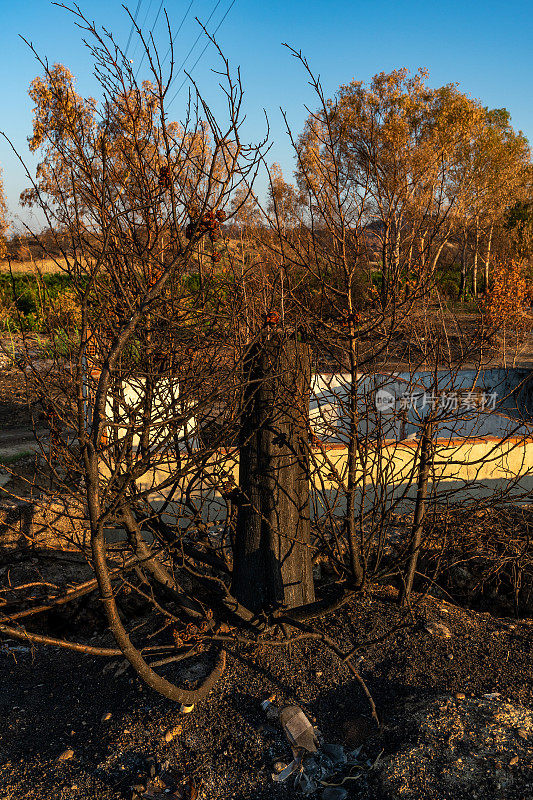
point(468, 461)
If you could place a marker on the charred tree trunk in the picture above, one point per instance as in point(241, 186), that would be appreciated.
point(272, 560)
point(420, 510)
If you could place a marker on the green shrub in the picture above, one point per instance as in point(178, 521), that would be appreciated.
point(25, 300)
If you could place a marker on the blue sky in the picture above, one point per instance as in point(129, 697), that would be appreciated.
point(484, 46)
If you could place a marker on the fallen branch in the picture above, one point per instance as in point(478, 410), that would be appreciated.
point(87, 649)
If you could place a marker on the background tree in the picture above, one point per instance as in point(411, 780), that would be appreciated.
point(506, 306)
point(395, 145)
point(493, 167)
point(283, 200)
point(518, 226)
point(62, 120)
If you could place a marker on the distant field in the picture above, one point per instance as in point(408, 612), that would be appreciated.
point(44, 266)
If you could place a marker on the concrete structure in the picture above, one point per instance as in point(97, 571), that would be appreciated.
point(126, 406)
point(493, 402)
point(483, 443)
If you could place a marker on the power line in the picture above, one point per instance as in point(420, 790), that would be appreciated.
point(179, 29)
point(151, 32)
point(132, 27)
point(203, 51)
point(147, 12)
point(196, 40)
point(142, 26)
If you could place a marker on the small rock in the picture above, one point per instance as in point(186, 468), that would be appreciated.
point(151, 766)
point(122, 668)
point(172, 732)
point(438, 629)
point(279, 766)
point(66, 754)
point(513, 761)
point(460, 696)
point(106, 716)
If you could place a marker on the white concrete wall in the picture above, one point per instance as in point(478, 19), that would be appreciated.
point(129, 405)
point(474, 466)
point(508, 410)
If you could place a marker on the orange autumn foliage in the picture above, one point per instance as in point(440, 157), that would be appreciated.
point(509, 298)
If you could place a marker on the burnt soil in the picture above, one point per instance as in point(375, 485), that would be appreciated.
point(54, 700)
